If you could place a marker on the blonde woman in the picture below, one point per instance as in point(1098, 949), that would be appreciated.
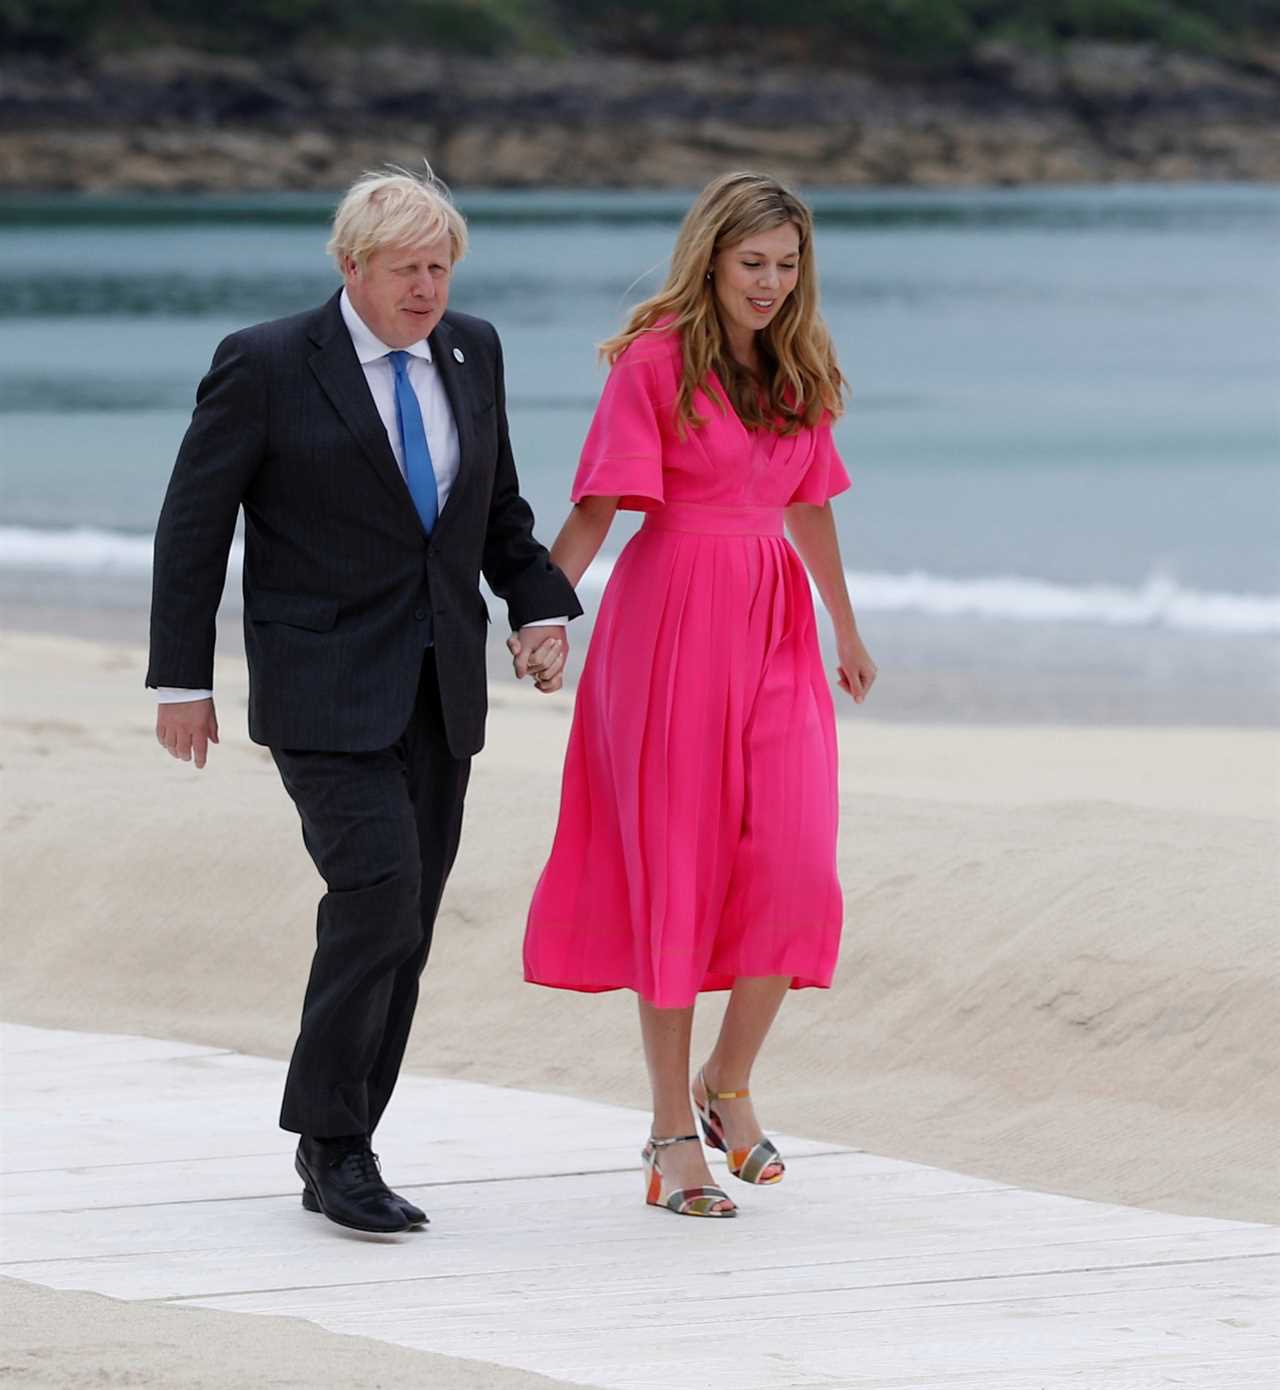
point(696, 842)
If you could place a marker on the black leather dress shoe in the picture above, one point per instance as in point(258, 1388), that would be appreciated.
point(340, 1178)
point(417, 1217)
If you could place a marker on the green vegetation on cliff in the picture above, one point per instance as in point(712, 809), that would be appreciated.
point(910, 33)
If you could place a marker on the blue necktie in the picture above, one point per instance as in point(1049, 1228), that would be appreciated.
point(418, 472)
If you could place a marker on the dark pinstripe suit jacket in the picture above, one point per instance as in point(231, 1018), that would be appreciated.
point(339, 580)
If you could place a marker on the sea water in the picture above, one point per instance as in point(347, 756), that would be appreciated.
point(1062, 427)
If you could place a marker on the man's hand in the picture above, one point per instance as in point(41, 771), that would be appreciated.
point(187, 728)
point(540, 652)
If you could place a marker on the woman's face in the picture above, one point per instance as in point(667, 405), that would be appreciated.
point(753, 278)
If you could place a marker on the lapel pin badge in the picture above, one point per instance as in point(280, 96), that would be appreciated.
point(457, 355)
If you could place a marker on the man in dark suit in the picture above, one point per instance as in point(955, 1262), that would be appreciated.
point(367, 443)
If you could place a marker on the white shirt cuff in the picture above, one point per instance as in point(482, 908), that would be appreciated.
point(547, 622)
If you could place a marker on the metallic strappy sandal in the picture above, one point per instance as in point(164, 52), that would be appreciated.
point(685, 1201)
point(747, 1164)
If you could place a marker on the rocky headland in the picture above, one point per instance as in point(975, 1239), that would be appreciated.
point(179, 120)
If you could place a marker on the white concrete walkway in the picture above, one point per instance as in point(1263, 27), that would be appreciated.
point(144, 1169)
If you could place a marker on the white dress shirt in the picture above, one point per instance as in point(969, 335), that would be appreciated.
point(437, 417)
point(424, 377)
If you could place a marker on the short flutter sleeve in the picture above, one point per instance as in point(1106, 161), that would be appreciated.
point(622, 454)
point(825, 476)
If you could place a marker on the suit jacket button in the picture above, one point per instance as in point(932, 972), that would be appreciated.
point(420, 614)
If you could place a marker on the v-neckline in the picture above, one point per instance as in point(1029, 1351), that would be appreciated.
point(755, 444)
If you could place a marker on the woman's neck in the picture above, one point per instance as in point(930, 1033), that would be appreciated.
point(741, 343)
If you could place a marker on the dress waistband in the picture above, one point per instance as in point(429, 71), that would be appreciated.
point(716, 519)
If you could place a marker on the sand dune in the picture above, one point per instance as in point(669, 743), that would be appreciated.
point(1058, 968)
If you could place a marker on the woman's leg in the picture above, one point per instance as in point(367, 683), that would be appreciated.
point(753, 1006)
point(667, 1034)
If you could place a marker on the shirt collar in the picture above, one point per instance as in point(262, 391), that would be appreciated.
point(369, 347)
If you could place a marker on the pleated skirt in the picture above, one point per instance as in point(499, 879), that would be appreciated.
point(696, 841)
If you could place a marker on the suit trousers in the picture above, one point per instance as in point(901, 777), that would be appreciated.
point(383, 829)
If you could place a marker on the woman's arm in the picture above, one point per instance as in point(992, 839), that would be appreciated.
point(582, 535)
point(575, 547)
point(813, 530)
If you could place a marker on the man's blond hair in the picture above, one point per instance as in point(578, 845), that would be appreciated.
point(395, 208)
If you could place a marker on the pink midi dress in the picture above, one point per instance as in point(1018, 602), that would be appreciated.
point(696, 841)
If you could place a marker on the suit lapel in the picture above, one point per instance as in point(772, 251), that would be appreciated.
point(459, 387)
point(342, 379)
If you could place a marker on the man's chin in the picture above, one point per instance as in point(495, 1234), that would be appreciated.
point(417, 326)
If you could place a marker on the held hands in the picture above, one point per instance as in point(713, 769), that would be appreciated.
point(187, 729)
point(856, 669)
point(539, 652)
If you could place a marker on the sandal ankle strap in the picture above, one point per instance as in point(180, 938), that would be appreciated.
point(720, 1095)
point(679, 1139)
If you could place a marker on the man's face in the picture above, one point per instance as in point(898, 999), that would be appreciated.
point(401, 292)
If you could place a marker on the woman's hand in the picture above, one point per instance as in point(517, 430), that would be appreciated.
point(539, 652)
point(857, 670)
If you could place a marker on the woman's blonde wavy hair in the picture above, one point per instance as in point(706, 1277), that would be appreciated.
point(802, 378)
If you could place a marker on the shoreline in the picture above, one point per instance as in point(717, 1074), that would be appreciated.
point(973, 673)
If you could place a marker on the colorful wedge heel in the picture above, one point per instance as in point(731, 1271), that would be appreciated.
point(750, 1164)
point(684, 1201)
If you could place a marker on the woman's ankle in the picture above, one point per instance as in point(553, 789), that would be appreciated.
point(716, 1077)
point(670, 1124)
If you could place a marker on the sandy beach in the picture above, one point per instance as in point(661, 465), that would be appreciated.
point(104, 1341)
point(1058, 960)
point(1058, 966)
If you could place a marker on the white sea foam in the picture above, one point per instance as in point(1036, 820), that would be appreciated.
point(1159, 602)
point(82, 550)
